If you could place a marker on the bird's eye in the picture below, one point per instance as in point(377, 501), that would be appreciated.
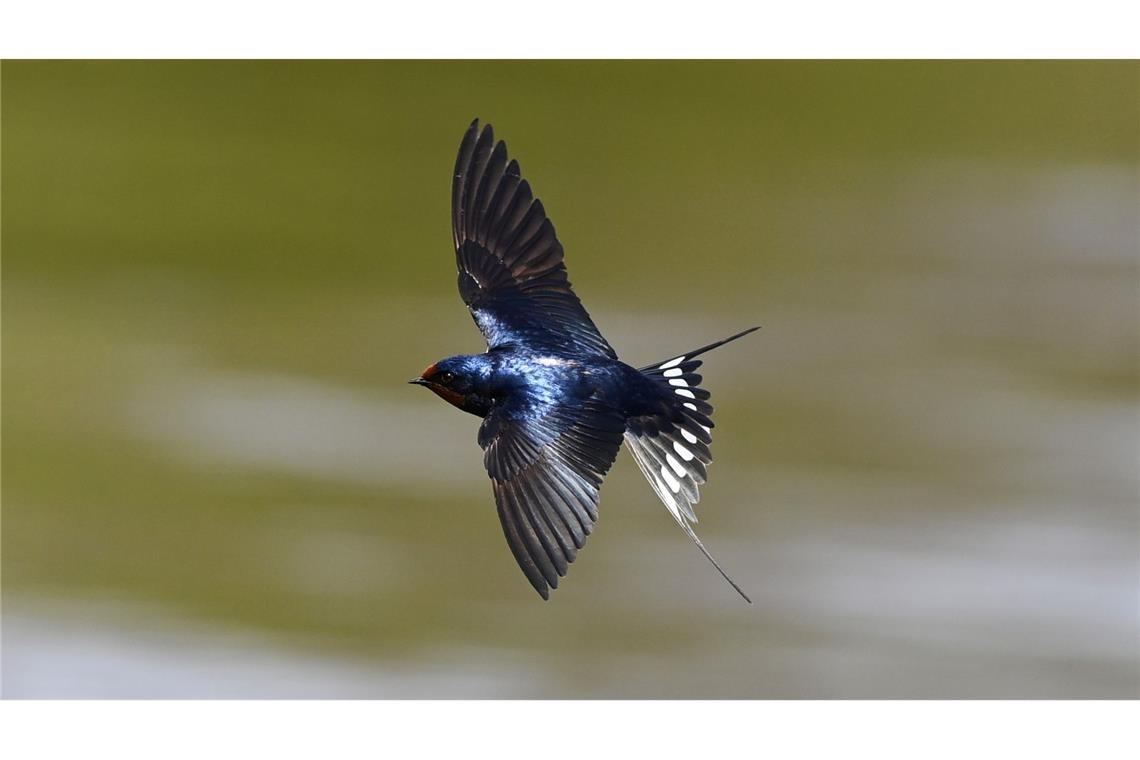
point(445, 377)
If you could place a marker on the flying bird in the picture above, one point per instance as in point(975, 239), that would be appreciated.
point(555, 400)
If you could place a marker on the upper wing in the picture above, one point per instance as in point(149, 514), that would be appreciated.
point(511, 274)
point(546, 466)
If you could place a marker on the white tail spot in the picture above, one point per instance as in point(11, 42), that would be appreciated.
point(685, 393)
point(688, 436)
point(677, 467)
point(672, 363)
point(674, 484)
point(675, 372)
point(678, 382)
point(682, 451)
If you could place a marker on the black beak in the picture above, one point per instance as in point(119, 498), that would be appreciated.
point(417, 381)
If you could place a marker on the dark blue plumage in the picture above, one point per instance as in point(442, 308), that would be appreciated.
point(556, 401)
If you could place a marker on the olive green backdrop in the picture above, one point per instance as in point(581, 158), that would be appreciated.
point(217, 277)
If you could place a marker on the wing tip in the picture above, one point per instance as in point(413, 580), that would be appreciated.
point(542, 586)
point(478, 127)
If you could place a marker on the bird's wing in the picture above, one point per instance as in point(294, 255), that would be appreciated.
point(511, 273)
point(546, 464)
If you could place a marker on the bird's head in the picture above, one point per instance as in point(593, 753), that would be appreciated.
point(459, 381)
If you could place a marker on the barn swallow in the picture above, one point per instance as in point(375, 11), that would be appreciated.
point(555, 400)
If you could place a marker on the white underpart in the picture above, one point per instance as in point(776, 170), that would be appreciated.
point(672, 363)
point(674, 484)
point(677, 466)
point(688, 436)
point(686, 394)
point(682, 451)
point(678, 382)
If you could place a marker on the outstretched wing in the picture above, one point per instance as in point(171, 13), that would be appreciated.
point(511, 273)
point(547, 465)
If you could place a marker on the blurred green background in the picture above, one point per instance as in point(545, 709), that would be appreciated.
point(217, 277)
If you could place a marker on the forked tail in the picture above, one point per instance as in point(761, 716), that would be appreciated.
point(671, 445)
